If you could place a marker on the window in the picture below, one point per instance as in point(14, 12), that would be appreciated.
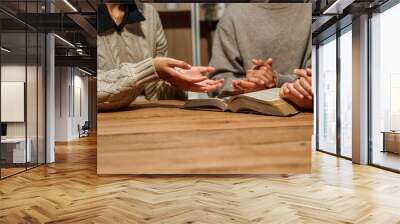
point(22, 77)
point(346, 92)
point(326, 82)
point(333, 137)
point(385, 89)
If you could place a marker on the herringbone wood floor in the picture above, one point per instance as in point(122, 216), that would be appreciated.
point(69, 191)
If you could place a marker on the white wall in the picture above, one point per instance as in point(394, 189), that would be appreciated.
point(80, 111)
point(16, 73)
point(12, 101)
point(70, 83)
point(61, 103)
point(82, 82)
point(33, 127)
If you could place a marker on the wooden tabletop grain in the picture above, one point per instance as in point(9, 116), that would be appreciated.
point(160, 138)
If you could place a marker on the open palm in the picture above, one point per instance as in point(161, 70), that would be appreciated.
point(206, 85)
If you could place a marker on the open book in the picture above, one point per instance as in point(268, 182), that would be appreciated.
point(265, 102)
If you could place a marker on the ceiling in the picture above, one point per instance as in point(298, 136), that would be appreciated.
point(76, 25)
point(79, 27)
point(330, 16)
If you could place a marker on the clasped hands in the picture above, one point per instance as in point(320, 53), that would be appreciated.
point(262, 76)
point(300, 91)
point(184, 76)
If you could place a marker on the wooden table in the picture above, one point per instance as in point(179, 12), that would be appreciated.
point(161, 138)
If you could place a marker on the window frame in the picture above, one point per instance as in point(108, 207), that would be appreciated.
point(381, 9)
point(339, 32)
point(42, 117)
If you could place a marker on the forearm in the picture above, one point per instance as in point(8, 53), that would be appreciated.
point(117, 88)
point(162, 90)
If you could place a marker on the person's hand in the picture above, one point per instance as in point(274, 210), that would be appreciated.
point(303, 85)
point(300, 91)
point(262, 73)
point(184, 76)
point(260, 77)
point(200, 71)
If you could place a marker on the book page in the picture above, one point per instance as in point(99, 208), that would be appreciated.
point(267, 95)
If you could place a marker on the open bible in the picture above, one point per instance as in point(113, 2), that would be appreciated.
point(265, 102)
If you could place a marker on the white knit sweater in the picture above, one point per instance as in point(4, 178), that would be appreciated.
point(124, 63)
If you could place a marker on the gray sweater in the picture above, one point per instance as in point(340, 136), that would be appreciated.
point(281, 31)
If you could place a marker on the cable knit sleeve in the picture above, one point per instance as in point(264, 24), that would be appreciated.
point(117, 88)
point(160, 90)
